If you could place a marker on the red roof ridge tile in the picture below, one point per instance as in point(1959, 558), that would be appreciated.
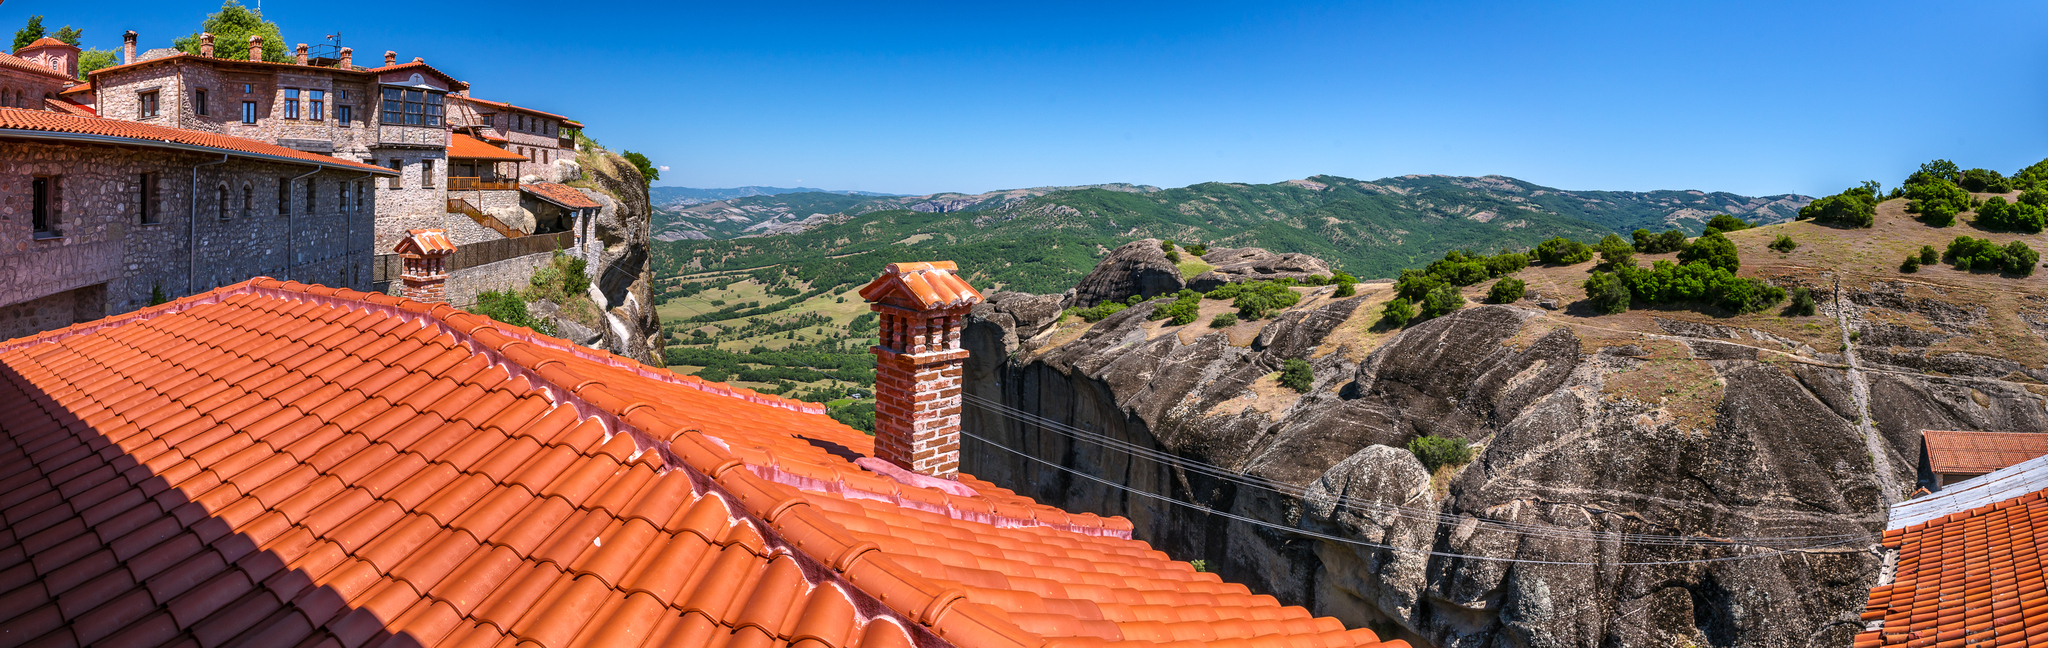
point(19, 122)
point(508, 106)
point(560, 194)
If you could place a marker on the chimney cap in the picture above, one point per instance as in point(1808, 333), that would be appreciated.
point(923, 285)
point(425, 243)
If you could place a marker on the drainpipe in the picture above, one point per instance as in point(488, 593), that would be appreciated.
point(192, 232)
point(291, 234)
point(349, 238)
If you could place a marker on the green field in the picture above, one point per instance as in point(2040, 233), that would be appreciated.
point(806, 346)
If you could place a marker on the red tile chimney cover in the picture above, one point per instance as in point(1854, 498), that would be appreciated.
point(425, 242)
point(930, 285)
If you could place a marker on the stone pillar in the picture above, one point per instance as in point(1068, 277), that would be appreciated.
point(299, 55)
point(255, 48)
point(128, 47)
point(918, 364)
point(425, 276)
point(206, 44)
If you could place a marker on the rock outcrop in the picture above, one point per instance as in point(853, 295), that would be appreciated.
point(1699, 431)
point(1137, 268)
point(1245, 264)
point(620, 270)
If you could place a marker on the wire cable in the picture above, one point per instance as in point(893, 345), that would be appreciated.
point(1426, 515)
point(1374, 545)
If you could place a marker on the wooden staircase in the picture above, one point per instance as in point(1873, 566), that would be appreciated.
point(462, 206)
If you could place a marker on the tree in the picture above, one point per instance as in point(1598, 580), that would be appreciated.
point(648, 172)
point(1616, 252)
point(1727, 223)
point(1713, 249)
point(29, 33)
point(1984, 181)
point(1608, 293)
point(1441, 301)
point(1295, 374)
point(1937, 201)
point(2032, 176)
point(2019, 216)
point(1436, 452)
point(70, 35)
point(1802, 302)
point(1669, 241)
point(1929, 255)
point(1397, 313)
point(96, 59)
point(1911, 265)
point(1346, 284)
point(1856, 207)
point(1507, 291)
point(1942, 170)
point(231, 28)
point(1563, 251)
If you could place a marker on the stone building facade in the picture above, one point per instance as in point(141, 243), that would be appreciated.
point(35, 75)
point(99, 217)
point(544, 139)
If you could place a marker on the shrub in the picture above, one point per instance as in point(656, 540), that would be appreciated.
point(1563, 251)
point(1173, 258)
point(1186, 306)
point(1436, 452)
point(1197, 249)
point(1669, 241)
point(1856, 207)
point(1984, 181)
point(1102, 310)
point(1259, 299)
point(1911, 265)
point(1727, 223)
point(1507, 291)
point(1699, 282)
point(1982, 255)
point(1397, 313)
point(509, 308)
point(1166, 246)
point(1297, 375)
point(1223, 320)
point(2017, 216)
point(1608, 293)
point(1802, 302)
point(1616, 252)
point(1929, 255)
point(1714, 250)
point(1937, 201)
point(1441, 301)
point(2020, 259)
point(1784, 243)
point(1506, 263)
point(2031, 177)
point(1942, 170)
point(1346, 284)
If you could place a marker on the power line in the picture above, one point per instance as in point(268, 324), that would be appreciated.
point(1373, 545)
point(1424, 515)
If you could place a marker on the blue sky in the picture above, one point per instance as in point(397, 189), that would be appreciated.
point(1755, 98)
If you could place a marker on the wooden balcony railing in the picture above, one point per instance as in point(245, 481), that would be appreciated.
point(459, 183)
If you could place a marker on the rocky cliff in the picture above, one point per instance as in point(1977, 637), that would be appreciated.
point(619, 261)
point(1770, 450)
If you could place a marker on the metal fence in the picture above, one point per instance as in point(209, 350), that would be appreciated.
point(389, 266)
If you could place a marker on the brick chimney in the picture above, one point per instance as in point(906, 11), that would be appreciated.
point(918, 364)
point(206, 44)
point(128, 47)
point(299, 56)
point(390, 58)
point(426, 269)
point(348, 59)
point(255, 48)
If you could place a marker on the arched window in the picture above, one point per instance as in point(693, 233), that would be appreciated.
point(220, 203)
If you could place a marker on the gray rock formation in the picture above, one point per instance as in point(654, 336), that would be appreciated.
point(1564, 444)
point(621, 274)
point(1137, 268)
point(1245, 264)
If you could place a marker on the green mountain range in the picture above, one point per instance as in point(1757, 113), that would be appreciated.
point(1045, 240)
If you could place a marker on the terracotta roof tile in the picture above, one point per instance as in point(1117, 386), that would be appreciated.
point(1965, 574)
point(1951, 451)
point(506, 106)
point(24, 65)
point(68, 107)
point(462, 146)
point(563, 195)
point(134, 134)
point(46, 41)
point(288, 464)
point(922, 285)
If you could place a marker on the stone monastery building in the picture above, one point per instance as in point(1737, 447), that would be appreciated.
point(172, 174)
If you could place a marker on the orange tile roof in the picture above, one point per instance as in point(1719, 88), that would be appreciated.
point(926, 284)
point(470, 148)
point(560, 194)
point(1976, 453)
point(82, 87)
point(46, 41)
point(1970, 577)
point(18, 63)
point(425, 241)
point(68, 107)
point(507, 106)
point(19, 122)
point(453, 83)
point(273, 463)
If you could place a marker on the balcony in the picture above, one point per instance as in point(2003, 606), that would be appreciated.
point(459, 183)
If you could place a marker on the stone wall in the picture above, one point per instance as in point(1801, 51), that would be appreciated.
point(53, 311)
point(511, 274)
point(178, 82)
point(101, 238)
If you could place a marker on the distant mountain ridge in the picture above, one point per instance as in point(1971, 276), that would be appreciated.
point(693, 195)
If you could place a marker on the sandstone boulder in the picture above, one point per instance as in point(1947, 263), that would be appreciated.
point(1137, 268)
point(1235, 265)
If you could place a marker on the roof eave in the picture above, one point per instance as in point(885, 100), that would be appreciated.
point(86, 138)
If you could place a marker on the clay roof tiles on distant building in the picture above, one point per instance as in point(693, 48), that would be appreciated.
point(67, 107)
point(37, 124)
point(464, 147)
point(47, 41)
point(564, 195)
point(1976, 453)
point(18, 63)
point(506, 106)
point(77, 89)
point(277, 464)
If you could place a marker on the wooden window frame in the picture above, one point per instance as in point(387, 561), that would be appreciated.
point(146, 208)
point(147, 105)
point(199, 102)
